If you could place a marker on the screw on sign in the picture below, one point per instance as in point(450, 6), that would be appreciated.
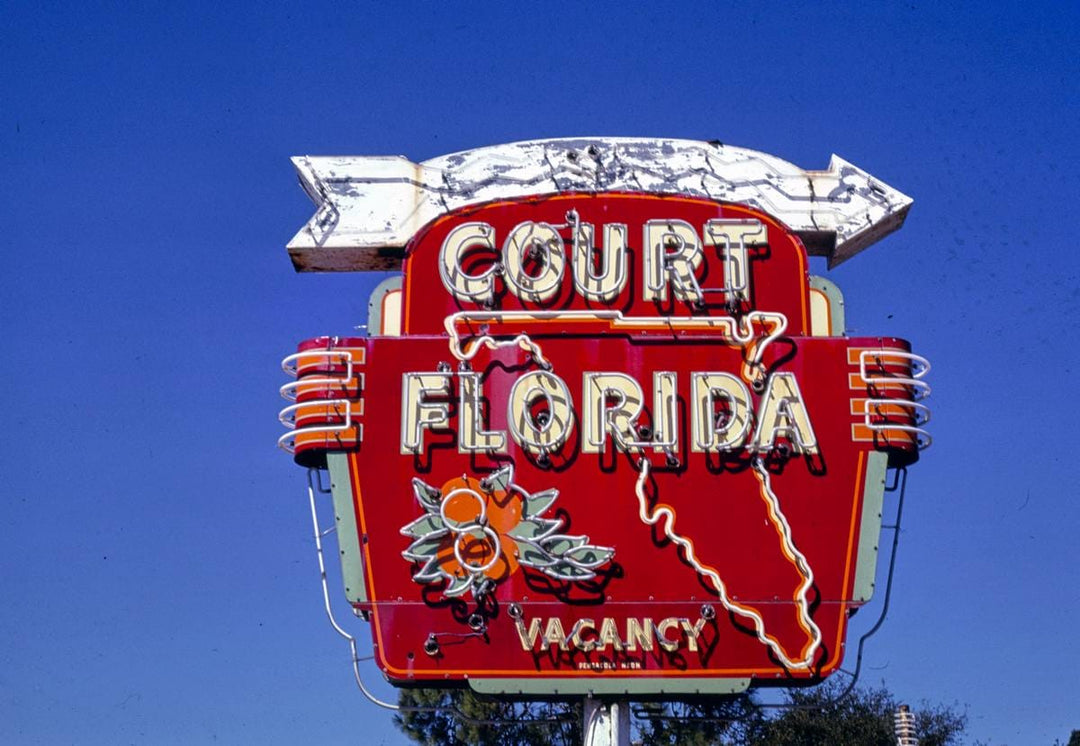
point(607, 434)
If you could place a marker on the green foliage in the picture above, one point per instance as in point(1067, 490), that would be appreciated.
point(863, 718)
point(727, 721)
point(808, 717)
point(938, 725)
point(485, 722)
point(815, 717)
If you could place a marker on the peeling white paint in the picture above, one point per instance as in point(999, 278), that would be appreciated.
point(369, 207)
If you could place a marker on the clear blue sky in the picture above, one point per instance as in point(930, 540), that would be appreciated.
point(157, 575)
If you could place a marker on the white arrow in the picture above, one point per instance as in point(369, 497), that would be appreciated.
point(369, 207)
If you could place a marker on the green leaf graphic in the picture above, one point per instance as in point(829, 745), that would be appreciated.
point(430, 572)
point(560, 544)
point(458, 586)
point(425, 548)
point(534, 529)
point(428, 497)
point(538, 502)
point(425, 525)
point(501, 479)
point(534, 556)
point(567, 571)
point(590, 556)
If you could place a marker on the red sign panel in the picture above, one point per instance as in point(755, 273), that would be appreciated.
point(613, 440)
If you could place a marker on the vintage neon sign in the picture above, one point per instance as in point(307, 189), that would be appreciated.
point(605, 438)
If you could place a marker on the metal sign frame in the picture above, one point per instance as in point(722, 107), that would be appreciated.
point(467, 318)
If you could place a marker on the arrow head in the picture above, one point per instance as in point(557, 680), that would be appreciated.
point(872, 211)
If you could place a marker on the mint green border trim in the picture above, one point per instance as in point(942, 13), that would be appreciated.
point(374, 305)
point(613, 687)
point(870, 528)
point(352, 567)
point(836, 304)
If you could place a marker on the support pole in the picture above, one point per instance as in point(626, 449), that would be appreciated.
point(606, 723)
